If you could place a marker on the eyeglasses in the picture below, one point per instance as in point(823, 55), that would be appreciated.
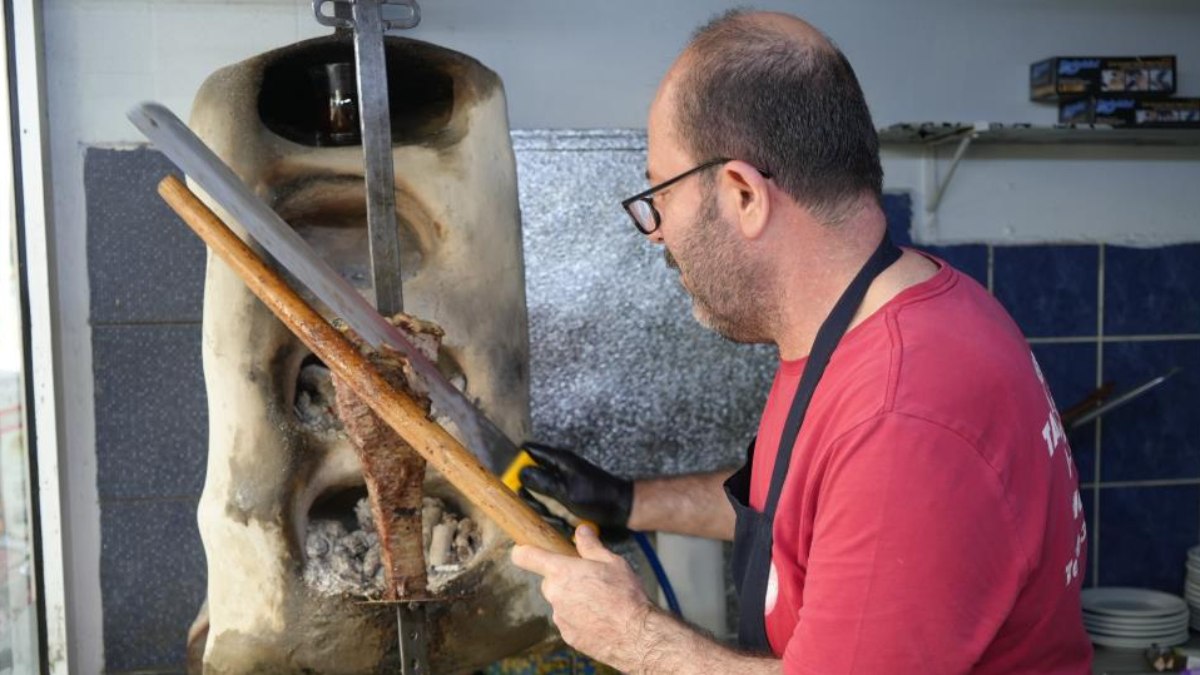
point(640, 207)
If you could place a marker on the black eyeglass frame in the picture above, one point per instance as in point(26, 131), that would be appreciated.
point(647, 195)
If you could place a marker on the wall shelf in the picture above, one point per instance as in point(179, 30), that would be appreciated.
point(930, 135)
point(937, 133)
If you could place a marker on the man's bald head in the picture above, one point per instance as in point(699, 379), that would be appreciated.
point(772, 90)
point(739, 25)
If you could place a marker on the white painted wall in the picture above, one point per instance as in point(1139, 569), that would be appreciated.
point(571, 64)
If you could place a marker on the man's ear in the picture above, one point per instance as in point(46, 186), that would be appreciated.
point(747, 197)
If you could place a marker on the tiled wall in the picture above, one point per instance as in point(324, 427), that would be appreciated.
point(1093, 313)
point(146, 275)
point(1096, 314)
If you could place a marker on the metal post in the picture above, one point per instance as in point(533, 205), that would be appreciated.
point(376, 123)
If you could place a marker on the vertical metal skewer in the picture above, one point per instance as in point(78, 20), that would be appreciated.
point(365, 18)
point(376, 123)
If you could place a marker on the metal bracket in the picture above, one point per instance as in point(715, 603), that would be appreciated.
point(931, 205)
point(342, 16)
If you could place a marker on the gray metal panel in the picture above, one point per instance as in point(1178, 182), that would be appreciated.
point(620, 369)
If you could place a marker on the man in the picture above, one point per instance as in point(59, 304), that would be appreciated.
point(910, 504)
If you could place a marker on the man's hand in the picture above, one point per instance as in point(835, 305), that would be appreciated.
point(600, 609)
point(584, 488)
point(599, 606)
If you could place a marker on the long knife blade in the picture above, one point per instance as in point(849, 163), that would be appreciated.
point(1121, 399)
point(201, 164)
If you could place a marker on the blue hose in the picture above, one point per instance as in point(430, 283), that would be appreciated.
point(659, 573)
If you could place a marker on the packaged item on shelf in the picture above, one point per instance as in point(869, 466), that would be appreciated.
point(1123, 110)
point(1063, 77)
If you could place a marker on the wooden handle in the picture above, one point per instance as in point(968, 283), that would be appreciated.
point(395, 408)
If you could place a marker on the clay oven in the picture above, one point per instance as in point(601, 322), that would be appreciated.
point(292, 571)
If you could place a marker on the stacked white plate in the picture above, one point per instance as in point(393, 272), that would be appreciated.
point(1192, 588)
point(1135, 618)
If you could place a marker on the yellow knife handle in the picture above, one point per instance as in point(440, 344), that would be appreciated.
point(512, 479)
point(512, 475)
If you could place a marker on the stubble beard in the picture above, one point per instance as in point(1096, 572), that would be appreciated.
point(729, 294)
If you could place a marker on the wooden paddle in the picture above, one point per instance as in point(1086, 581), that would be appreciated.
point(396, 409)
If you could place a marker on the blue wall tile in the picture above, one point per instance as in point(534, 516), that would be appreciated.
point(151, 410)
point(152, 580)
point(971, 259)
point(1070, 371)
point(1088, 496)
point(897, 209)
point(1145, 533)
point(1151, 291)
point(1157, 435)
point(1051, 291)
point(144, 264)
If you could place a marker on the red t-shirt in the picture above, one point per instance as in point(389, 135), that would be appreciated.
point(931, 520)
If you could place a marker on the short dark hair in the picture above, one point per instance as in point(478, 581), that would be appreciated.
point(759, 94)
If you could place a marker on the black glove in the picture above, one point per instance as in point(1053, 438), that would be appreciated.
point(584, 488)
point(564, 528)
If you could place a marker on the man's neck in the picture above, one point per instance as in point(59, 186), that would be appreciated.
point(810, 290)
point(796, 341)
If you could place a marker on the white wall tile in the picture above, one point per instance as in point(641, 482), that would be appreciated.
point(306, 22)
point(177, 88)
point(204, 36)
point(106, 97)
point(105, 36)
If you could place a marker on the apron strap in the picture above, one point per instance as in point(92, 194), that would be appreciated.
point(828, 336)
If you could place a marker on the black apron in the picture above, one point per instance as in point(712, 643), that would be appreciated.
point(752, 536)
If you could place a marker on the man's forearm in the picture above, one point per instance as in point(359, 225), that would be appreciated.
point(668, 646)
point(693, 504)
